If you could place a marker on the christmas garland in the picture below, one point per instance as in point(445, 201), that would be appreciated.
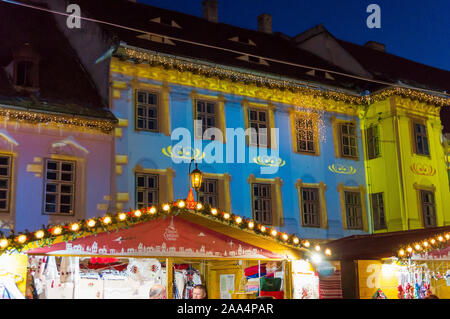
point(46, 236)
point(439, 241)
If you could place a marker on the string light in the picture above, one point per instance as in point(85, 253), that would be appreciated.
point(220, 72)
point(4, 243)
point(57, 230)
point(328, 252)
point(199, 206)
point(306, 244)
point(409, 249)
point(440, 238)
point(91, 223)
point(417, 247)
point(317, 248)
point(181, 204)
point(39, 234)
point(104, 126)
point(21, 239)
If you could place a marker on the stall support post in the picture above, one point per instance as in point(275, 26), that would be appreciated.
point(169, 278)
point(288, 279)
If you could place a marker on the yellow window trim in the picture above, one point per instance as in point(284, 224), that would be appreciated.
point(223, 189)
point(337, 137)
point(322, 187)
point(294, 114)
point(277, 204)
point(220, 110)
point(246, 104)
point(11, 212)
point(413, 119)
point(162, 91)
point(166, 183)
point(362, 191)
point(430, 188)
point(79, 195)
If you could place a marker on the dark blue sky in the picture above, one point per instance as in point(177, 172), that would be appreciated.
point(416, 30)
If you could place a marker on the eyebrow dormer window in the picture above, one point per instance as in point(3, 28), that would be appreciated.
point(166, 21)
point(24, 74)
point(253, 59)
point(26, 67)
point(243, 40)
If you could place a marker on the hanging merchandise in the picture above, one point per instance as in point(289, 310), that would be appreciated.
point(144, 270)
point(51, 270)
point(179, 285)
point(9, 290)
point(70, 269)
point(56, 290)
point(191, 279)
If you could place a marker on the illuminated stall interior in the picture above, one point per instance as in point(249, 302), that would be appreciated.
point(398, 265)
point(126, 254)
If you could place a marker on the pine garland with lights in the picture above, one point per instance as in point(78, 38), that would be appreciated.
point(438, 241)
point(154, 59)
point(104, 126)
point(124, 220)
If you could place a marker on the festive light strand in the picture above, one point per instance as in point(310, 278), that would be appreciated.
point(439, 241)
point(70, 231)
point(220, 72)
point(33, 117)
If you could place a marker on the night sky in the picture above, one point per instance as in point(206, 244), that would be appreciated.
point(413, 29)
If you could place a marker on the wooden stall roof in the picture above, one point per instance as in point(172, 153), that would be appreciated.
point(377, 246)
point(248, 237)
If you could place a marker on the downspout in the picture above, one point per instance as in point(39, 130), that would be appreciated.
point(368, 173)
point(403, 205)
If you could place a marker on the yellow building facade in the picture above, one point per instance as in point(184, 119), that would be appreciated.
point(406, 163)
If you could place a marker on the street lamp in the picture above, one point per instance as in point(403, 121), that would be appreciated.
point(196, 177)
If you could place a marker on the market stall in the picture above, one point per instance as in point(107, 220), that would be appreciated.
point(169, 249)
point(399, 265)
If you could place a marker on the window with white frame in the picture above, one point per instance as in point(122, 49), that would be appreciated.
point(209, 193)
point(5, 182)
point(311, 206)
point(348, 140)
point(262, 203)
point(205, 112)
point(258, 122)
point(59, 187)
point(146, 111)
point(147, 190)
point(353, 210)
